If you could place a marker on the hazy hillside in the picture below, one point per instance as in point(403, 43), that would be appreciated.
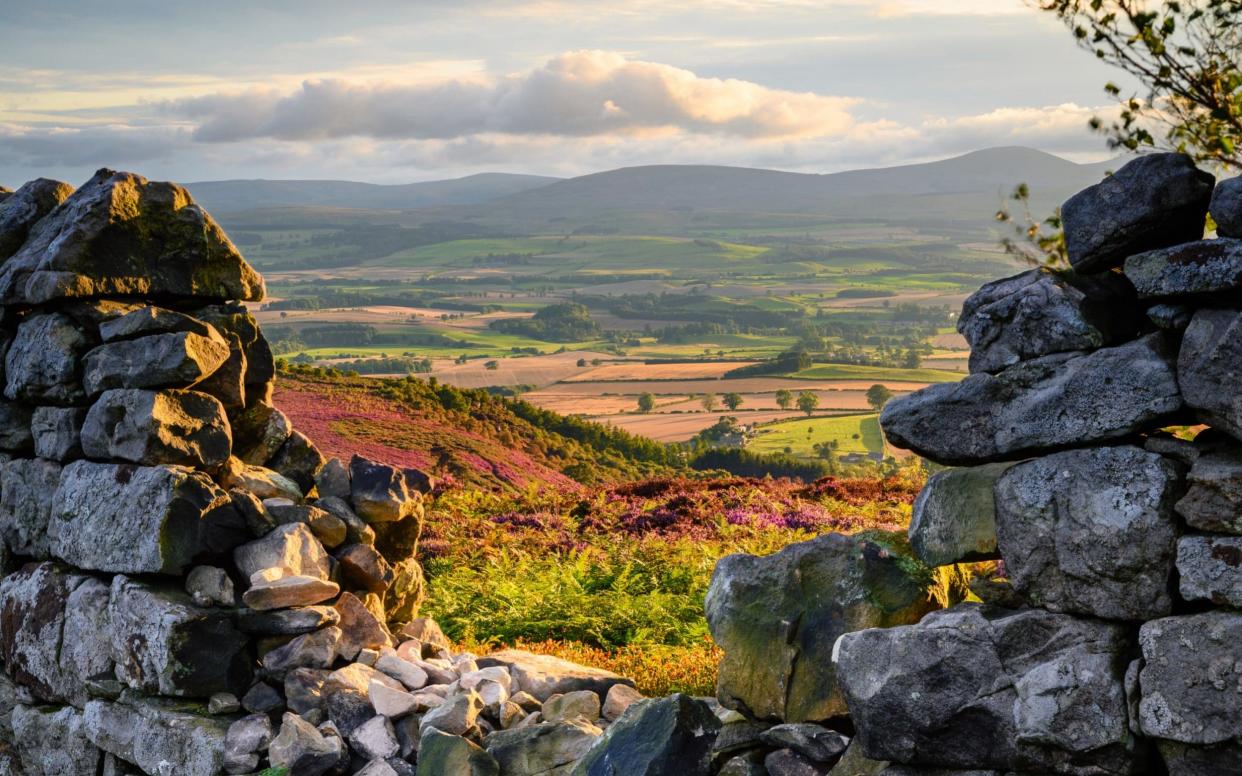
point(234, 195)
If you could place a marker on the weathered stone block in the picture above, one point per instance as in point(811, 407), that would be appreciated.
point(1092, 531)
point(42, 365)
point(173, 360)
point(135, 519)
point(1191, 678)
point(1209, 368)
point(1151, 202)
point(1201, 267)
point(26, 488)
point(53, 742)
point(186, 428)
point(22, 209)
point(57, 432)
point(777, 617)
point(1213, 501)
point(158, 735)
point(672, 735)
point(954, 518)
point(1210, 569)
point(1043, 405)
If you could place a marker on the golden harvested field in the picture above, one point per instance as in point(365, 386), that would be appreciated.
point(381, 314)
point(530, 370)
point(743, 385)
point(950, 342)
point(571, 404)
point(638, 371)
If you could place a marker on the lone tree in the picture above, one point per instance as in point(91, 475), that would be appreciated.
point(1188, 58)
point(878, 395)
point(646, 403)
point(733, 401)
point(808, 402)
point(784, 398)
point(709, 402)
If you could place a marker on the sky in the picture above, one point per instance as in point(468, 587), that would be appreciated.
point(392, 91)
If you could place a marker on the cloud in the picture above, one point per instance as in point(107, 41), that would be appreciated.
point(97, 146)
point(581, 93)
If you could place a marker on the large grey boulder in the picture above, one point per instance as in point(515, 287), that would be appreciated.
point(138, 519)
point(1190, 678)
point(954, 517)
point(165, 644)
point(441, 754)
point(1213, 501)
point(1226, 207)
point(187, 428)
point(1040, 312)
point(542, 750)
point(20, 210)
point(1202, 267)
point(1151, 202)
point(1050, 403)
point(174, 360)
point(57, 432)
point(158, 735)
point(121, 235)
point(54, 631)
point(1209, 368)
point(977, 687)
point(26, 488)
point(670, 736)
point(543, 676)
point(776, 618)
point(53, 742)
point(42, 365)
point(1092, 531)
point(1210, 569)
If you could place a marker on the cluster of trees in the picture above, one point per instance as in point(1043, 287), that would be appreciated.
point(567, 322)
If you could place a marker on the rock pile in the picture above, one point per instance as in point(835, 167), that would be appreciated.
point(1122, 542)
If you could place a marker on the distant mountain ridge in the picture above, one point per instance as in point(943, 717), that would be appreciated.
point(968, 187)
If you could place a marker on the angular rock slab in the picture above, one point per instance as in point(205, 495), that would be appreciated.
point(164, 644)
point(57, 432)
point(1038, 313)
point(441, 754)
point(982, 688)
point(20, 210)
point(1151, 202)
point(544, 675)
point(54, 631)
point(954, 518)
point(380, 493)
point(1092, 532)
point(53, 742)
point(776, 618)
point(43, 362)
point(137, 519)
point(1191, 678)
point(158, 735)
point(1050, 403)
point(668, 736)
point(1193, 268)
point(542, 749)
point(1209, 368)
point(121, 235)
point(185, 428)
point(292, 548)
point(174, 360)
point(1214, 500)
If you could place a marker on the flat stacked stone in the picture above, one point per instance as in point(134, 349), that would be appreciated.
point(168, 559)
point(1121, 545)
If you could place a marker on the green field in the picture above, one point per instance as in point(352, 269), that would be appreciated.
point(853, 434)
point(877, 373)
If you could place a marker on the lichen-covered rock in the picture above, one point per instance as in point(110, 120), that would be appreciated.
point(1190, 678)
point(292, 548)
point(54, 631)
point(542, 750)
point(26, 488)
point(120, 235)
point(43, 362)
point(977, 687)
point(1209, 368)
point(1092, 531)
point(159, 736)
point(1219, 760)
point(1213, 501)
point(954, 518)
point(670, 736)
point(1151, 202)
point(405, 595)
point(777, 617)
point(138, 519)
point(186, 428)
point(20, 210)
point(1192, 268)
point(53, 742)
point(1039, 312)
point(1210, 569)
point(1050, 403)
point(57, 432)
point(174, 360)
point(165, 644)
